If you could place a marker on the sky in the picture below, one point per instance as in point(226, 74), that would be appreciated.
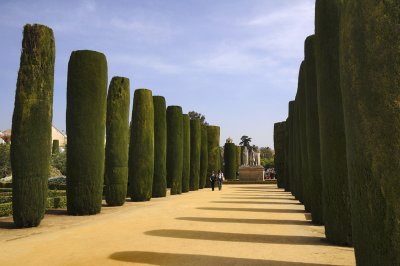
point(234, 61)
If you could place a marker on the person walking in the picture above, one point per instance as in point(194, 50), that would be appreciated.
point(220, 179)
point(213, 179)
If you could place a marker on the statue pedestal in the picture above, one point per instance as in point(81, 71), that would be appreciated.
point(251, 173)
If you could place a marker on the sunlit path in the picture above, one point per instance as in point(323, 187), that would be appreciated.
point(227, 227)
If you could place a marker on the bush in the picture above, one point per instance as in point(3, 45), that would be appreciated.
point(5, 164)
point(59, 161)
point(5, 209)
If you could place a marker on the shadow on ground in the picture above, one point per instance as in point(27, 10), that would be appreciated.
point(258, 197)
point(172, 259)
point(244, 221)
point(252, 210)
point(258, 202)
point(235, 237)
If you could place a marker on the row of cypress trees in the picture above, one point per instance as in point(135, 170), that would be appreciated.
point(163, 147)
point(344, 121)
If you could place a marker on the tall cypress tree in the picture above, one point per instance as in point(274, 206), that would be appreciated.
point(195, 150)
point(160, 147)
point(279, 146)
point(31, 125)
point(186, 154)
point(336, 196)
point(369, 74)
point(290, 184)
point(141, 148)
point(86, 124)
point(230, 160)
point(213, 136)
point(203, 157)
point(174, 149)
point(312, 131)
point(117, 132)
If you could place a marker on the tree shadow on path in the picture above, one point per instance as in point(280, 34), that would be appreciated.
point(258, 202)
point(172, 259)
point(245, 221)
point(252, 210)
point(236, 237)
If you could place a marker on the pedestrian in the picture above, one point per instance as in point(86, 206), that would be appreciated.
point(220, 179)
point(212, 179)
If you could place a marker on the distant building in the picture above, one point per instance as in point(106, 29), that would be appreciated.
point(55, 134)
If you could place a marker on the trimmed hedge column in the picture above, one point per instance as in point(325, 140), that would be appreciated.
point(213, 152)
point(238, 158)
point(369, 73)
point(287, 163)
point(31, 125)
point(312, 131)
point(141, 148)
point(86, 125)
point(203, 157)
point(117, 129)
point(336, 196)
point(56, 146)
point(290, 183)
point(160, 147)
point(174, 149)
point(230, 160)
point(297, 152)
point(279, 146)
point(186, 154)
point(195, 150)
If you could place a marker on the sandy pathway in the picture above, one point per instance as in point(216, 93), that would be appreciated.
point(240, 225)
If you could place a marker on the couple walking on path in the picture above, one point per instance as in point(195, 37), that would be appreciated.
point(219, 178)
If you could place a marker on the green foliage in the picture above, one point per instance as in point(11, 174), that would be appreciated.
point(6, 209)
point(238, 157)
point(59, 161)
point(86, 124)
point(203, 157)
point(279, 146)
point(186, 154)
point(174, 149)
point(31, 125)
point(245, 141)
point(5, 164)
point(268, 163)
point(195, 115)
point(266, 152)
point(195, 153)
point(369, 74)
point(214, 164)
point(290, 159)
point(312, 131)
point(141, 148)
point(160, 147)
point(117, 132)
point(56, 147)
point(230, 161)
point(336, 196)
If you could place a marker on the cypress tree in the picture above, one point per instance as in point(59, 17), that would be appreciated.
point(195, 150)
point(290, 185)
point(297, 152)
point(279, 146)
point(213, 152)
point(238, 158)
point(203, 157)
point(86, 124)
point(31, 125)
point(312, 132)
point(141, 148)
point(287, 160)
point(160, 147)
point(336, 196)
point(230, 160)
point(117, 132)
point(369, 73)
point(174, 149)
point(186, 154)
point(303, 140)
point(56, 147)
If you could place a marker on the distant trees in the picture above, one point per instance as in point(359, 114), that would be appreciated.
point(195, 115)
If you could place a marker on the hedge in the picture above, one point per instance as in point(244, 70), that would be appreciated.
point(141, 148)
point(203, 157)
point(369, 73)
point(279, 147)
point(117, 133)
point(230, 161)
point(336, 196)
point(213, 135)
point(31, 125)
point(195, 153)
point(86, 124)
point(186, 154)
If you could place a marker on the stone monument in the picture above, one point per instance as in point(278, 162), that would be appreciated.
point(251, 168)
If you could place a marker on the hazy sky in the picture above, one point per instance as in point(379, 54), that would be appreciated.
point(234, 61)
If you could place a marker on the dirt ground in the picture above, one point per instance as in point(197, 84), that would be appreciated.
point(240, 225)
